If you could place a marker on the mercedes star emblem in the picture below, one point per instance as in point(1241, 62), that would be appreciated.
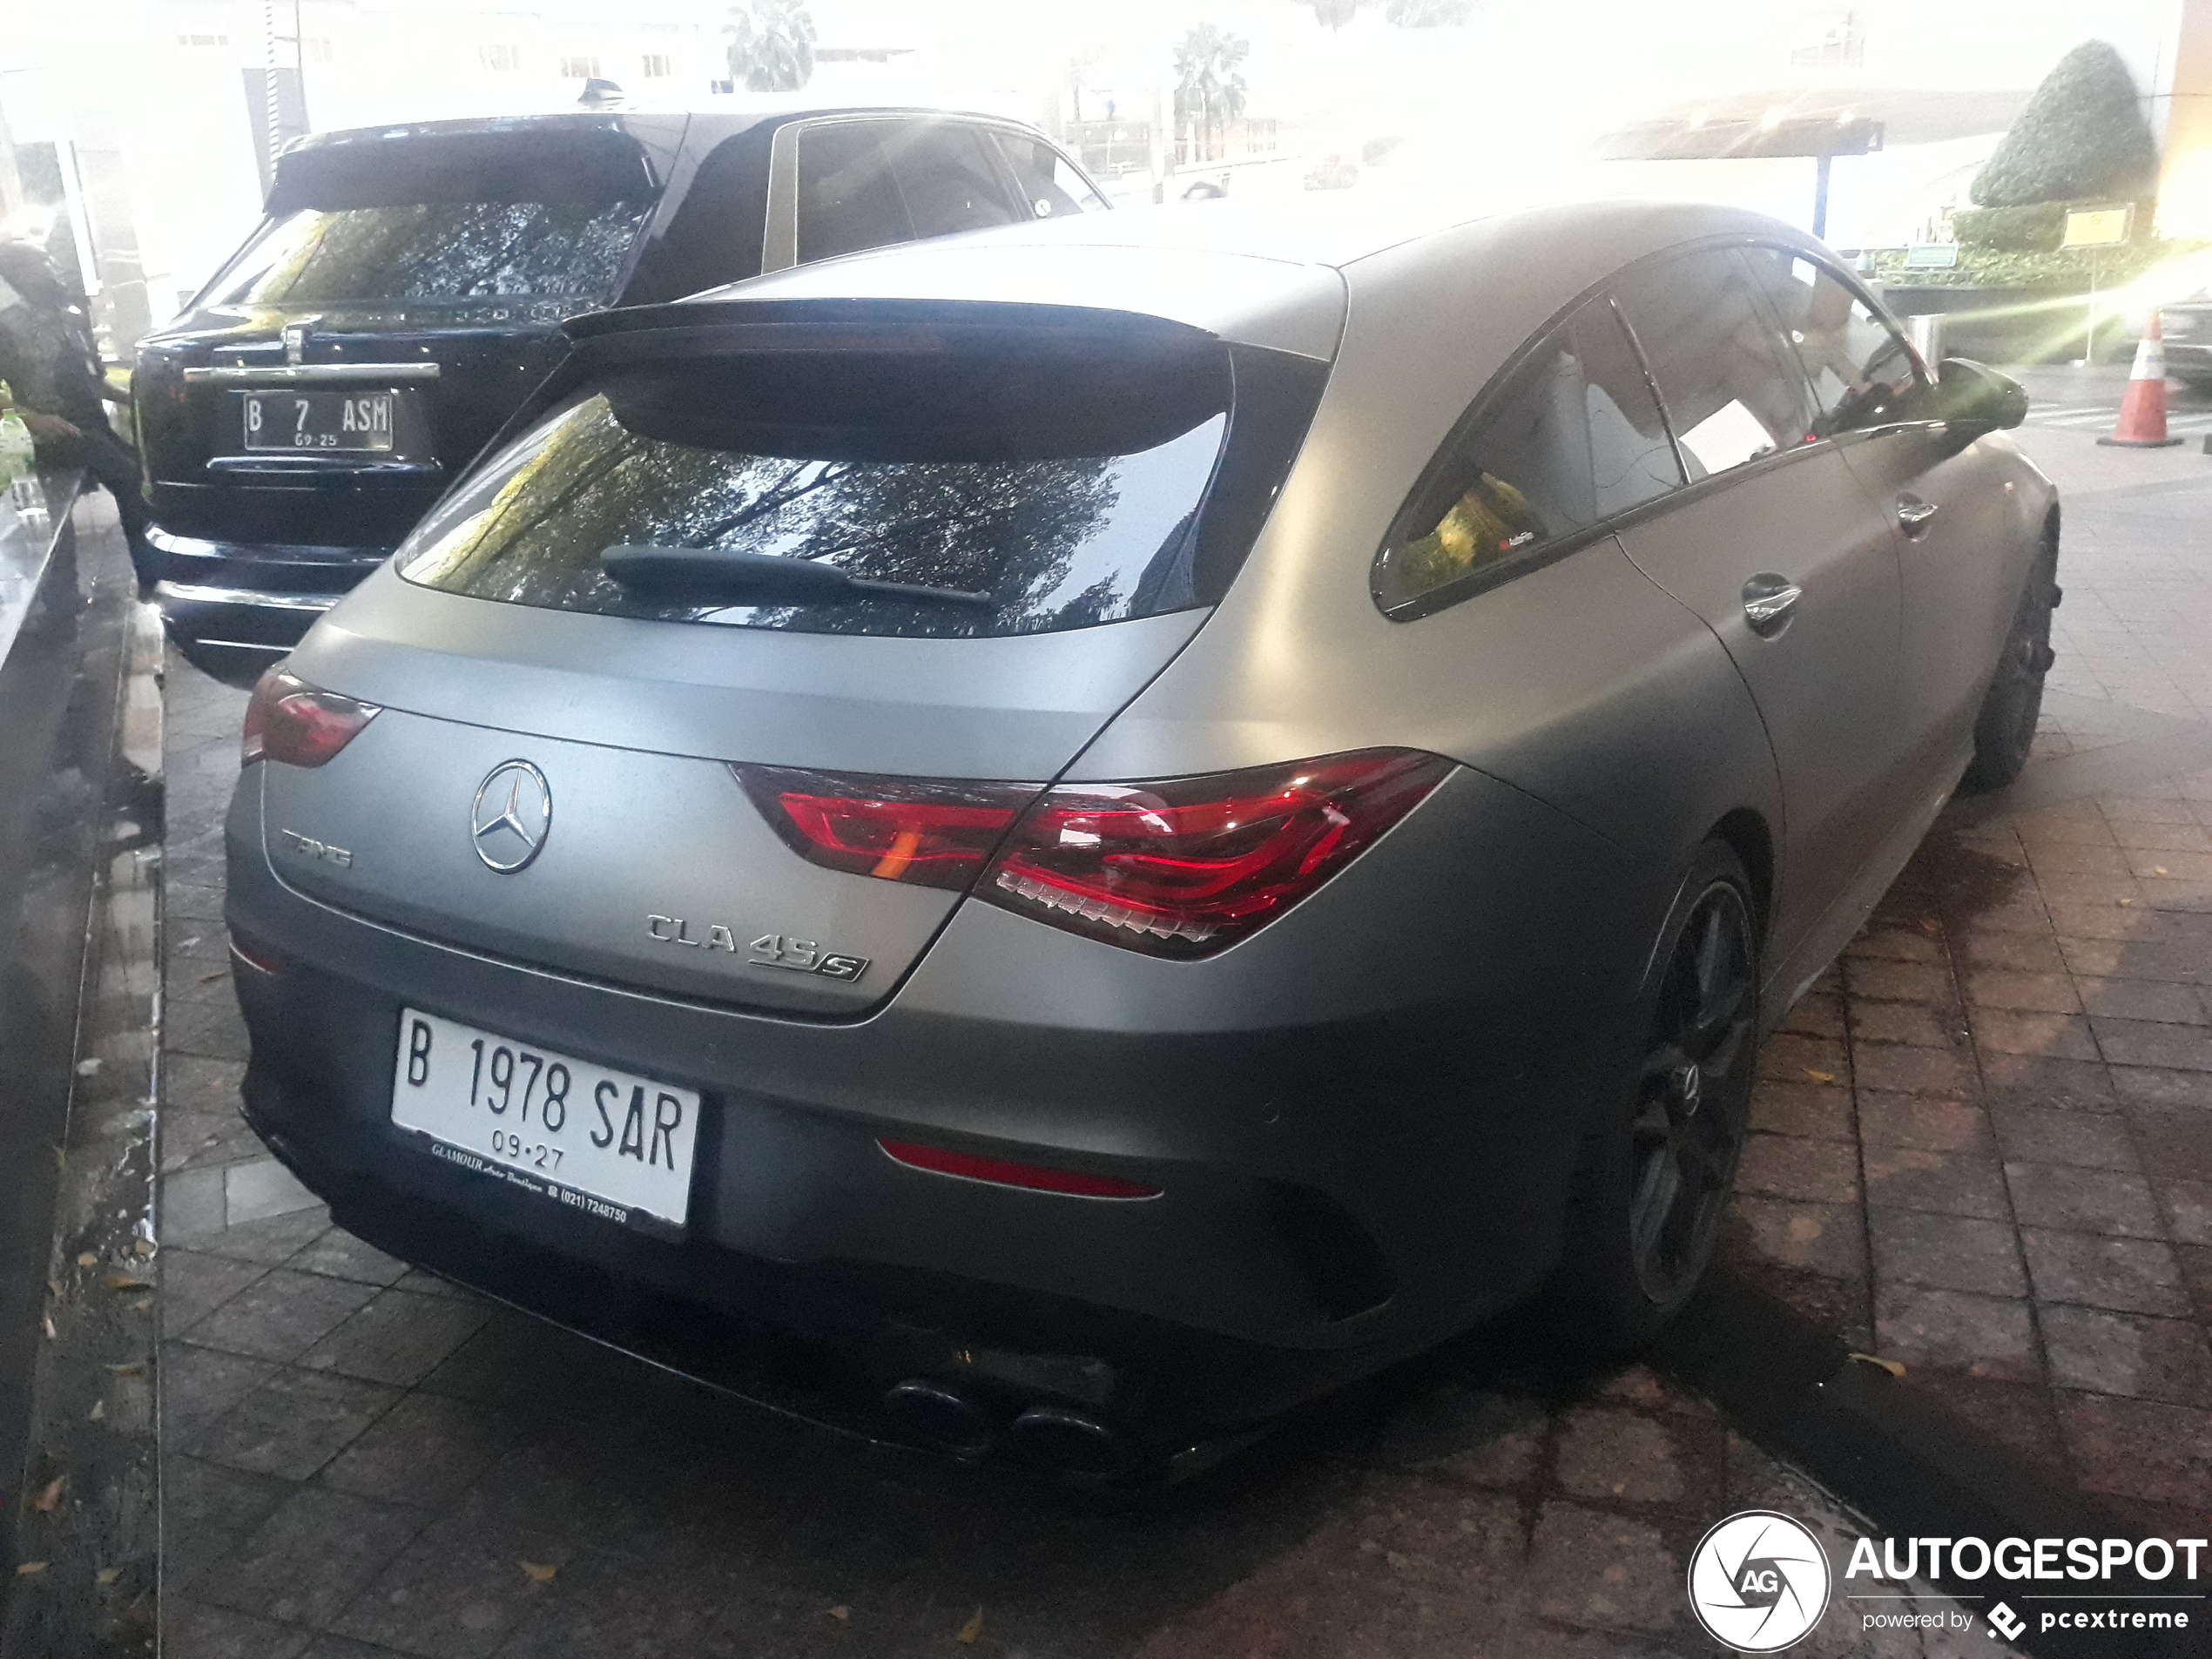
point(512, 816)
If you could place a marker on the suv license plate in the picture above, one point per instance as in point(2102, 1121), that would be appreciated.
point(319, 422)
point(608, 1143)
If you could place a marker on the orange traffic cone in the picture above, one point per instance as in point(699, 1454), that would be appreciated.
point(2142, 407)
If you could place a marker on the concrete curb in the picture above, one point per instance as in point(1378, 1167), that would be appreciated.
point(86, 1547)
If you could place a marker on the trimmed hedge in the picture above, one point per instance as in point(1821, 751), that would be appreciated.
point(2081, 134)
point(2066, 271)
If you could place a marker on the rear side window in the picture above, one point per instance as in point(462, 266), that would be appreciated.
point(1862, 370)
point(1049, 184)
point(716, 236)
point(946, 174)
point(847, 199)
point(1051, 536)
point(1732, 385)
point(1570, 438)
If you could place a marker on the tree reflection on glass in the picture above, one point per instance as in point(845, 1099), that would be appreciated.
point(1036, 535)
point(439, 251)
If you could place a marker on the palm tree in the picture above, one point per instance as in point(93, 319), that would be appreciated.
point(1332, 14)
point(771, 45)
point(1209, 91)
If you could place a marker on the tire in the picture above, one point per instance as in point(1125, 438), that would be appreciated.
point(2005, 729)
point(1656, 1165)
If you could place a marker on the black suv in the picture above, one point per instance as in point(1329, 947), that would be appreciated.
point(406, 292)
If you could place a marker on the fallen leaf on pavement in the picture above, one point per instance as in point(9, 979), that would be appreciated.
point(127, 1281)
point(143, 1303)
point(50, 1495)
point(220, 972)
point(89, 1259)
point(145, 1247)
point(133, 1370)
point(840, 1613)
point(108, 1574)
point(99, 1413)
point(540, 1572)
point(24, 1569)
point(2159, 869)
point(972, 1630)
point(86, 1068)
point(1895, 1367)
point(1820, 1076)
point(47, 1320)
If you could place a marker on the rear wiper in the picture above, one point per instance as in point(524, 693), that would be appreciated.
point(708, 574)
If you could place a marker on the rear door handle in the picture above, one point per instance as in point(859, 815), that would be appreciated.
point(1768, 601)
point(1914, 514)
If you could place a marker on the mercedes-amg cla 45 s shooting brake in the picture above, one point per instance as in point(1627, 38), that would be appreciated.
point(1051, 842)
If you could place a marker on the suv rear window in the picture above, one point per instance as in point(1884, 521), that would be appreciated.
point(1054, 539)
point(547, 214)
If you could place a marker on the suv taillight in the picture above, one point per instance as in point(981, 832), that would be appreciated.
point(292, 721)
point(1180, 869)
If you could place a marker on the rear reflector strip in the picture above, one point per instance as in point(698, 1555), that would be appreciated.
point(1002, 1173)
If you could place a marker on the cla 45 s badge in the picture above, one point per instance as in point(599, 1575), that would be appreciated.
point(769, 950)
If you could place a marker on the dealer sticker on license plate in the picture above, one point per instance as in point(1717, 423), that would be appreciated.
point(604, 1142)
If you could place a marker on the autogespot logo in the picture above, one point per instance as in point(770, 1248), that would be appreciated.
point(1758, 1581)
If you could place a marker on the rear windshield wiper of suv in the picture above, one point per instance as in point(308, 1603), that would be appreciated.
point(706, 573)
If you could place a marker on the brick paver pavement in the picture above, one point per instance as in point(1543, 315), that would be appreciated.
point(1983, 1147)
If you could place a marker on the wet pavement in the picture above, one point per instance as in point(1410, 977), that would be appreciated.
point(1984, 1150)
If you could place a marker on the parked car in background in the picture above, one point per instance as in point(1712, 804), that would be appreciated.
point(1048, 844)
point(406, 290)
point(2186, 326)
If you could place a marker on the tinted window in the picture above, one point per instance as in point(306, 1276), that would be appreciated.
point(1572, 436)
point(1049, 185)
point(847, 199)
point(717, 232)
point(1061, 542)
point(949, 179)
point(570, 250)
point(1861, 369)
point(1732, 386)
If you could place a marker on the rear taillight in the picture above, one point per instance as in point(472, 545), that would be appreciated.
point(1180, 869)
point(292, 721)
point(1187, 867)
point(898, 829)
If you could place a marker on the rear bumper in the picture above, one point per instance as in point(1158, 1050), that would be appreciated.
point(234, 608)
point(1334, 1196)
point(2191, 358)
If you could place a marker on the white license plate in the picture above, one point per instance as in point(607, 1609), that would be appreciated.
point(607, 1142)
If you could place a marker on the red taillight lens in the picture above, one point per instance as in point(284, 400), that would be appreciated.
point(1190, 867)
point(292, 721)
point(1006, 1173)
point(898, 829)
point(1181, 868)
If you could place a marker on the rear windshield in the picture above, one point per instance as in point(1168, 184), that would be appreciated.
point(550, 250)
point(544, 215)
point(1056, 543)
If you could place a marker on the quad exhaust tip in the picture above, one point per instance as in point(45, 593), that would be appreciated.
point(1071, 1443)
point(943, 1419)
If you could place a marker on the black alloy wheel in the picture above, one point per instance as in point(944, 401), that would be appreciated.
point(1659, 1156)
point(2005, 729)
point(1688, 1130)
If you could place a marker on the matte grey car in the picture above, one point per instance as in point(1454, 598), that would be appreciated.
point(1052, 842)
